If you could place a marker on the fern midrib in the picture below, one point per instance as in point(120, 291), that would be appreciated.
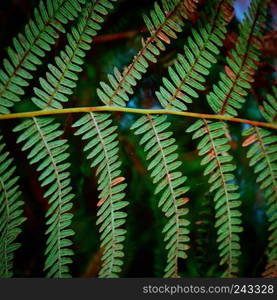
point(227, 198)
point(149, 40)
point(5, 230)
point(110, 186)
point(183, 81)
point(22, 60)
point(245, 57)
point(56, 172)
point(168, 178)
point(71, 59)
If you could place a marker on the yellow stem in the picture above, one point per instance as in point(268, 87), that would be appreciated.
point(135, 111)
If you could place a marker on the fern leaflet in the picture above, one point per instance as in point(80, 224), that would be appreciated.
point(214, 146)
point(103, 150)
point(161, 152)
point(11, 212)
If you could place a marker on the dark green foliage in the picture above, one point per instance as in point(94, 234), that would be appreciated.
point(205, 238)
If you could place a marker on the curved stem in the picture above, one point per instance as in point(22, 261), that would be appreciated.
point(135, 111)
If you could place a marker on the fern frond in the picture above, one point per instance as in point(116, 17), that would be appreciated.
point(163, 24)
point(214, 146)
point(29, 48)
point(11, 212)
point(61, 78)
point(269, 107)
point(189, 71)
point(41, 138)
point(229, 93)
point(161, 151)
point(103, 150)
point(49, 151)
point(263, 158)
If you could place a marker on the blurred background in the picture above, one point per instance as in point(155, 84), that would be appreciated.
point(116, 44)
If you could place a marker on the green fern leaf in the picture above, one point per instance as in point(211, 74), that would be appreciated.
point(103, 150)
point(11, 212)
point(29, 48)
point(162, 24)
point(214, 146)
point(229, 94)
point(161, 152)
point(61, 78)
point(189, 71)
point(41, 138)
point(263, 158)
point(204, 237)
